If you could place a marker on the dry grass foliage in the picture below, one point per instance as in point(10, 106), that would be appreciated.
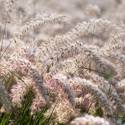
point(70, 54)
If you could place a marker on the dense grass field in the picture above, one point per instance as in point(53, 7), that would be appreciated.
point(62, 62)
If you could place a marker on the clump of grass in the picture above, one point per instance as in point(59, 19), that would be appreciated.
point(108, 76)
point(96, 110)
point(22, 116)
